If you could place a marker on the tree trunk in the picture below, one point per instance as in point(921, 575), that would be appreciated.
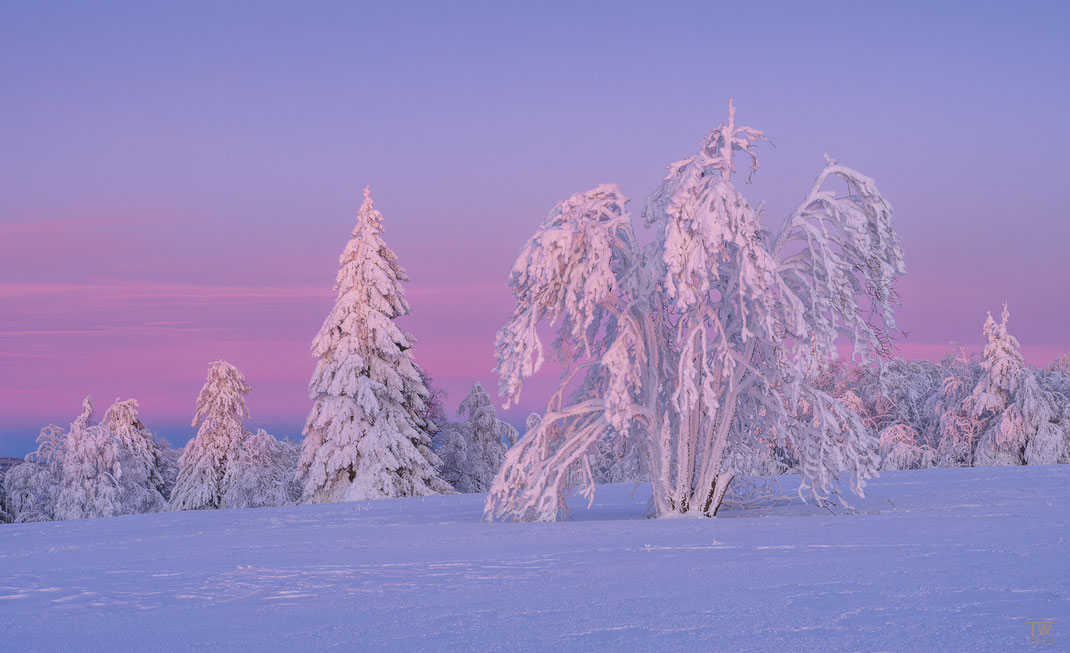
point(716, 495)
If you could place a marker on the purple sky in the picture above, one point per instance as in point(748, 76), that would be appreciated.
point(177, 180)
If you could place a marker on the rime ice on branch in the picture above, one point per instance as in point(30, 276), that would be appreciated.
point(365, 437)
point(701, 346)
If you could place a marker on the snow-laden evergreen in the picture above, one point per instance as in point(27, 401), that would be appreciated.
point(719, 319)
point(472, 451)
point(33, 486)
point(263, 474)
point(141, 485)
point(111, 468)
point(219, 416)
point(91, 471)
point(366, 436)
point(1023, 418)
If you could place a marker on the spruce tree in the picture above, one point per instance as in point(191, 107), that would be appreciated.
point(141, 485)
point(203, 467)
point(365, 437)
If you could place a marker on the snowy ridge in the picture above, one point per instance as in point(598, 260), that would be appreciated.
point(949, 559)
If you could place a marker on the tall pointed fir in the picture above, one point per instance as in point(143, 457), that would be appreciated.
point(365, 437)
point(206, 459)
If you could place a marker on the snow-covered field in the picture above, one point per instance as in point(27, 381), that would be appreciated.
point(935, 559)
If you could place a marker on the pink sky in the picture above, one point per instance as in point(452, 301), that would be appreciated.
point(177, 182)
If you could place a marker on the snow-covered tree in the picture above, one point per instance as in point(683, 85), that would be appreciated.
point(719, 318)
point(263, 474)
point(219, 416)
point(957, 426)
point(169, 458)
point(1022, 418)
point(472, 451)
point(111, 468)
point(901, 448)
point(365, 437)
point(33, 486)
point(6, 512)
point(434, 412)
point(91, 471)
point(141, 485)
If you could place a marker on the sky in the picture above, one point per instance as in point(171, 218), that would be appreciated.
point(177, 180)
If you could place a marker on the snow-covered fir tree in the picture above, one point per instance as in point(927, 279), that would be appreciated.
point(141, 485)
point(365, 437)
point(1022, 419)
point(91, 471)
point(219, 416)
point(33, 486)
point(472, 451)
point(263, 474)
point(719, 318)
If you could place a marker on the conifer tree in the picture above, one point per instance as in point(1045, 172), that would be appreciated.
point(33, 486)
point(202, 469)
point(141, 485)
point(91, 471)
point(365, 437)
point(1022, 418)
point(473, 451)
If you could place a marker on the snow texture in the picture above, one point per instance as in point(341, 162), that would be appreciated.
point(938, 559)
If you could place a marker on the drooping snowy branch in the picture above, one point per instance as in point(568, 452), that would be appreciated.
point(718, 321)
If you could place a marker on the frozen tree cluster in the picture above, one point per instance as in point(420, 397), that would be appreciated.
point(472, 451)
point(118, 467)
point(115, 467)
point(699, 348)
point(368, 434)
point(263, 473)
point(703, 358)
point(964, 410)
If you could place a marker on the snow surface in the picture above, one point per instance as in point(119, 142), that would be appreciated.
point(951, 559)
